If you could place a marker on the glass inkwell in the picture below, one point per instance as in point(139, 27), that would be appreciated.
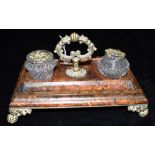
point(113, 64)
point(40, 64)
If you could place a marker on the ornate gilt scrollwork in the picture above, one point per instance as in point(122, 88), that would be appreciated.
point(16, 112)
point(75, 56)
point(141, 109)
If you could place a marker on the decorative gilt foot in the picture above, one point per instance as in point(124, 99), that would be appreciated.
point(141, 109)
point(16, 112)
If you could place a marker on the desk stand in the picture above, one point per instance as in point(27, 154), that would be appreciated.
point(94, 90)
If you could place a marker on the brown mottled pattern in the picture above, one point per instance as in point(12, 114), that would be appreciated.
point(62, 91)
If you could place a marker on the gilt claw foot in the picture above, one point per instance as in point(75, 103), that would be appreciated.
point(14, 113)
point(141, 109)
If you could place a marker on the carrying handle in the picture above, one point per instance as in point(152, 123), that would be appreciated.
point(74, 37)
point(75, 56)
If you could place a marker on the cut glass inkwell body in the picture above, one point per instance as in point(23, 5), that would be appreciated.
point(113, 64)
point(40, 64)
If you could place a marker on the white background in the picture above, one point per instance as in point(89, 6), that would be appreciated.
point(70, 14)
point(77, 14)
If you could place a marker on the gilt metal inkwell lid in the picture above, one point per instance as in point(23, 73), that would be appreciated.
point(39, 56)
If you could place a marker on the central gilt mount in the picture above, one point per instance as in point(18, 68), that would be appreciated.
point(75, 56)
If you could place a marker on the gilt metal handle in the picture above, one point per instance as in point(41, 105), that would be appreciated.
point(75, 56)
